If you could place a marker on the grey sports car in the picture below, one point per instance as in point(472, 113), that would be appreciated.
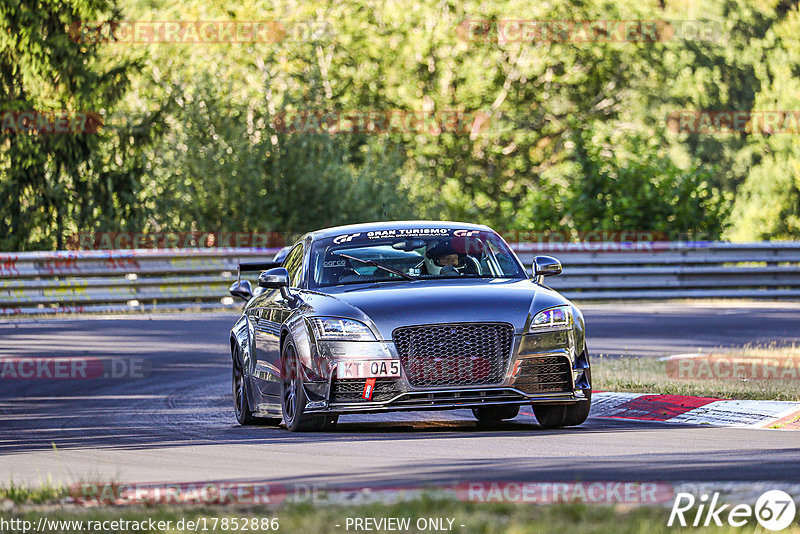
point(418, 315)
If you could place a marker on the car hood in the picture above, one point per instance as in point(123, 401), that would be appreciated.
point(391, 305)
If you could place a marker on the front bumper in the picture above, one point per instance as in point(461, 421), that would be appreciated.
point(444, 399)
point(542, 368)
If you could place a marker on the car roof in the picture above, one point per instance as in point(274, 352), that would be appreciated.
point(388, 225)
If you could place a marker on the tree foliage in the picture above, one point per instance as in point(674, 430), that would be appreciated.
point(576, 137)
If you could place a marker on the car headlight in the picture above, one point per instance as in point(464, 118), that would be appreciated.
point(557, 318)
point(335, 328)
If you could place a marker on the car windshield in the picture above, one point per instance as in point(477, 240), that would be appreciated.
point(408, 254)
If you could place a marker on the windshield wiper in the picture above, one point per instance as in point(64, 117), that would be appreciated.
point(374, 263)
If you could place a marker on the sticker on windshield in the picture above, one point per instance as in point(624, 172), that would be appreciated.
point(405, 233)
point(345, 238)
point(408, 232)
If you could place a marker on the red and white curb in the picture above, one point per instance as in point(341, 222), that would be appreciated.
point(696, 410)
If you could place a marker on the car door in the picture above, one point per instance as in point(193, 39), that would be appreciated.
point(275, 310)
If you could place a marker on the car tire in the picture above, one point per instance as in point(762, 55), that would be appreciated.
point(555, 416)
point(241, 404)
point(492, 415)
point(552, 416)
point(293, 397)
point(578, 412)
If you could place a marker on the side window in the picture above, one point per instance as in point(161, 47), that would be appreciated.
point(294, 264)
point(504, 261)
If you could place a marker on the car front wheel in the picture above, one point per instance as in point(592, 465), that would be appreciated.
point(555, 416)
point(293, 397)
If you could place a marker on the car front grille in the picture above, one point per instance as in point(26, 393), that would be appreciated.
point(458, 354)
point(350, 390)
point(544, 374)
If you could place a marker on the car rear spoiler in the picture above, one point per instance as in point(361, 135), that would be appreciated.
point(251, 266)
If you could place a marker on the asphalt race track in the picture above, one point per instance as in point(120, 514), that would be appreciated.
point(177, 424)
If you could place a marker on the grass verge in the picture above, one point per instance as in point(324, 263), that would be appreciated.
point(762, 373)
point(37, 495)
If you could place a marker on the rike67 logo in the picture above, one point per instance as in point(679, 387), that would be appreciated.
point(774, 510)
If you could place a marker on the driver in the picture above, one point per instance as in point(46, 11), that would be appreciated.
point(442, 260)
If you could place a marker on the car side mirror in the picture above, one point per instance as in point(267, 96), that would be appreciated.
point(277, 278)
point(242, 289)
point(545, 266)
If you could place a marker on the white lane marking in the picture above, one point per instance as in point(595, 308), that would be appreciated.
point(681, 356)
point(607, 403)
point(733, 413)
point(738, 413)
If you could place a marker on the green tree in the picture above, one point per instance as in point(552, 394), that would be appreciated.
point(52, 182)
point(576, 138)
point(767, 204)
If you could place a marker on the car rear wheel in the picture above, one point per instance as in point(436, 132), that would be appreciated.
point(293, 398)
point(491, 415)
point(241, 406)
point(555, 415)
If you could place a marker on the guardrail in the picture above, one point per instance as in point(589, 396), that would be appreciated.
point(120, 280)
point(669, 270)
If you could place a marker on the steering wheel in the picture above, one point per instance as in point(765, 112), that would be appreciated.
point(472, 266)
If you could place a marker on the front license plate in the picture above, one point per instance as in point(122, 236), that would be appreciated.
point(369, 369)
